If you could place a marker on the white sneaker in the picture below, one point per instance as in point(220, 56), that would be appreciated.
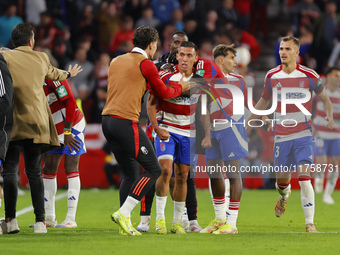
point(10, 227)
point(40, 228)
point(67, 224)
point(328, 200)
point(318, 185)
point(194, 227)
point(185, 220)
point(50, 222)
point(0, 231)
point(144, 224)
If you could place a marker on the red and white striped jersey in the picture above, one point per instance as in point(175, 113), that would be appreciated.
point(319, 118)
point(57, 93)
point(224, 109)
point(301, 77)
point(177, 115)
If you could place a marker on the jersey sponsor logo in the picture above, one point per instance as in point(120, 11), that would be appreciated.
point(62, 91)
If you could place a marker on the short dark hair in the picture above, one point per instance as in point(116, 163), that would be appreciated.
point(331, 69)
point(189, 44)
point(223, 50)
point(179, 32)
point(21, 34)
point(144, 36)
point(291, 38)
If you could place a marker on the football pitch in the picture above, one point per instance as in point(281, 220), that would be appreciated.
point(260, 232)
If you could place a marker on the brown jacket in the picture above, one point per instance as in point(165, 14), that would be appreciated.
point(130, 75)
point(32, 115)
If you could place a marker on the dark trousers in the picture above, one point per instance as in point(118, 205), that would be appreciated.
point(32, 157)
point(132, 147)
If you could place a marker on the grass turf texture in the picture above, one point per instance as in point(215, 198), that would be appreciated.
point(260, 232)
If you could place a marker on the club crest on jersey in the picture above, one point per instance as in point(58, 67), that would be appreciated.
point(301, 84)
point(200, 72)
point(62, 91)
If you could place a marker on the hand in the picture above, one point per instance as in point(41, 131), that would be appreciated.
point(74, 70)
point(206, 142)
point(162, 134)
point(185, 84)
point(330, 123)
point(71, 142)
point(168, 68)
point(267, 121)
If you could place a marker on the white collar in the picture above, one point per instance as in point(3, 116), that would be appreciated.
point(141, 51)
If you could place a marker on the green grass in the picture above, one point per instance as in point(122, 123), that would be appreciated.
point(260, 232)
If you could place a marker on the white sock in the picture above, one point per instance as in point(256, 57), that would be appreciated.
point(220, 208)
point(160, 207)
point(283, 192)
point(233, 212)
point(227, 193)
point(128, 206)
point(331, 182)
point(0, 200)
point(307, 200)
point(50, 190)
point(178, 211)
point(72, 195)
point(145, 218)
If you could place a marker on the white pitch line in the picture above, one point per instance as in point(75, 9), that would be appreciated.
point(30, 208)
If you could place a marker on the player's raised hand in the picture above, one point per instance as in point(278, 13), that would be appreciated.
point(185, 84)
point(330, 123)
point(74, 70)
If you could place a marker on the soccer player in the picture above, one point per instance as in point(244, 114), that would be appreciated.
point(294, 146)
point(225, 145)
point(175, 133)
point(6, 111)
point(128, 79)
point(70, 124)
point(164, 62)
point(327, 141)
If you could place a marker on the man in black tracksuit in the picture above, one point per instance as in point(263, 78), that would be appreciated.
point(6, 108)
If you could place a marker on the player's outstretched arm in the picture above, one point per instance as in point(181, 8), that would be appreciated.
point(327, 104)
point(74, 70)
point(151, 108)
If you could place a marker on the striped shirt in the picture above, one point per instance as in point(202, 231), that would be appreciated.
point(57, 93)
point(177, 115)
point(296, 123)
point(319, 118)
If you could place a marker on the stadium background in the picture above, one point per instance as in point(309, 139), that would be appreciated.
point(91, 32)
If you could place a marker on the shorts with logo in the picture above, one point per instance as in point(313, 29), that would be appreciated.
point(177, 148)
point(78, 132)
point(328, 147)
point(225, 145)
point(293, 153)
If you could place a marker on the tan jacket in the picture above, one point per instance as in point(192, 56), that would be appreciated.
point(32, 115)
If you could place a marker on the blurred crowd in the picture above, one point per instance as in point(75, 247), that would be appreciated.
point(91, 32)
